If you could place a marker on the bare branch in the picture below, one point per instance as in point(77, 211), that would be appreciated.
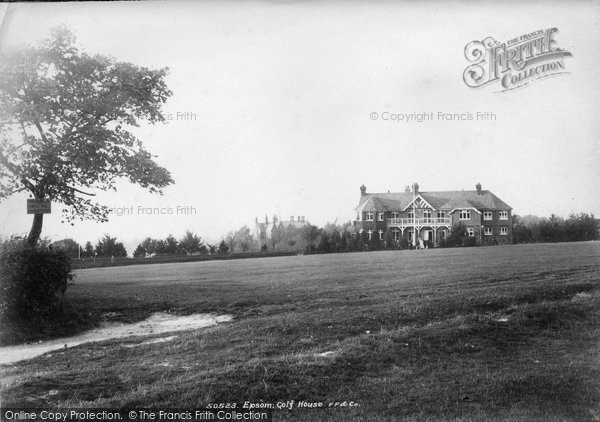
point(10, 166)
point(40, 130)
point(16, 191)
point(28, 185)
point(81, 192)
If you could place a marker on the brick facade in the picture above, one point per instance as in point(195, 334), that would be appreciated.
point(486, 217)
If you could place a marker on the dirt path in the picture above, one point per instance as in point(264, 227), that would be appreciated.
point(156, 324)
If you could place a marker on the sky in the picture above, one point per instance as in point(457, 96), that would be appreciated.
point(276, 103)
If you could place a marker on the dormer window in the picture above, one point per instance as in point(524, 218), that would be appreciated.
point(369, 215)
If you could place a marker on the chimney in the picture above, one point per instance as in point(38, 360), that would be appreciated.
point(256, 220)
point(274, 219)
point(407, 188)
point(363, 190)
point(266, 219)
point(478, 187)
point(291, 218)
point(416, 188)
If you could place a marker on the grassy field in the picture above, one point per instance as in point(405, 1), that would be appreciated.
point(489, 333)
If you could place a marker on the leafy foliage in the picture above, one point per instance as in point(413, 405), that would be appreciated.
point(109, 247)
point(69, 246)
point(191, 243)
point(458, 234)
point(64, 125)
point(223, 247)
point(324, 244)
point(375, 242)
point(577, 227)
point(243, 238)
point(390, 243)
point(33, 280)
point(310, 234)
point(88, 251)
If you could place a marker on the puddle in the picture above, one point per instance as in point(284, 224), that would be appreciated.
point(155, 324)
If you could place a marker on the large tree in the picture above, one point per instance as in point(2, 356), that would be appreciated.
point(65, 126)
point(69, 246)
point(108, 246)
point(191, 243)
point(310, 234)
point(243, 238)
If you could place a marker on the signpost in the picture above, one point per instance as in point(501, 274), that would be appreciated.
point(36, 206)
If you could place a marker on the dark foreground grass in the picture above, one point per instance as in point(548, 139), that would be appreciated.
point(498, 333)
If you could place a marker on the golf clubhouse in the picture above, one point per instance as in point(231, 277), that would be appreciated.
point(431, 215)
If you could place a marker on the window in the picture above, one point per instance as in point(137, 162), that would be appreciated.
point(443, 234)
point(395, 214)
point(503, 215)
point(487, 231)
point(396, 232)
point(464, 215)
point(411, 214)
point(427, 216)
point(487, 215)
point(471, 231)
point(379, 216)
point(370, 232)
point(504, 231)
point(369, 215)
point(380, 234)
point(441, 214)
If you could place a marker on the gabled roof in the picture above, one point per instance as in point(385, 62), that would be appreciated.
point(418, 200)
point(485, 200)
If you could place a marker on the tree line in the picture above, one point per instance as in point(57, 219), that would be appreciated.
point(577, 227)
point(330, 238)
point(106, 247)
point(189, 244)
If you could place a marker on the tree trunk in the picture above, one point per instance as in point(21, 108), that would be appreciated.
point(36, 229)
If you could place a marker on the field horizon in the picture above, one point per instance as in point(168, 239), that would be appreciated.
point(484, 333)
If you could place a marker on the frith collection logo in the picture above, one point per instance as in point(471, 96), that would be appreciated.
point(516, 62)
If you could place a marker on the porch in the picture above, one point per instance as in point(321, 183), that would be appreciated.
point(402, 223)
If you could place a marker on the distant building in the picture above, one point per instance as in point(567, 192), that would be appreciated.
point(263, 231)
point(431, 215)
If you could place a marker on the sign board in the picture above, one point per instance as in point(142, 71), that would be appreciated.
point(35, 206)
